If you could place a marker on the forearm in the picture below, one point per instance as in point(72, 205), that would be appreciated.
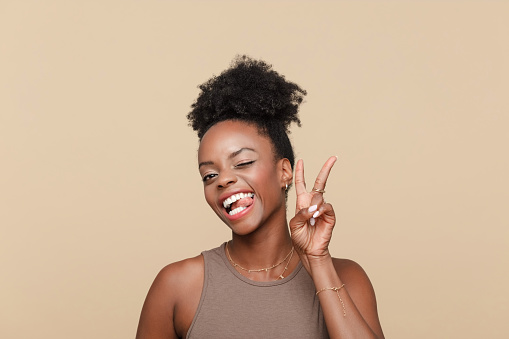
point(342, 317)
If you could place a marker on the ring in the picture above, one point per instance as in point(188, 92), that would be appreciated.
point(317, 190)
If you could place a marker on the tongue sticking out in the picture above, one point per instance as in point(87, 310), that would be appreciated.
point(244, 202)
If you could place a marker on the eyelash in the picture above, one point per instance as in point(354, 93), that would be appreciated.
point(208, 177)
point(243, 164)
point(247, 163)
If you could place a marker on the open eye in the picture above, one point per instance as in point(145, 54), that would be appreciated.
point(208, 177)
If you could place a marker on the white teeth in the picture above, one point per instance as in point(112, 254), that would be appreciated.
point(237, 210)
point(236, 197)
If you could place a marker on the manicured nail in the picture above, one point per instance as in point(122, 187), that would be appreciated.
point(312, 208)
point(317, 213)
point(312, 221)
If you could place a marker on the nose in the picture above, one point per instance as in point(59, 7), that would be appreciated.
point(225, 179)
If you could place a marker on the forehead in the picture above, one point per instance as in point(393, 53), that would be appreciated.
point(229, 136)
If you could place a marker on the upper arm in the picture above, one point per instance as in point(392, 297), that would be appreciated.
point(156, 319)
point(159, 318)
point(361, 292)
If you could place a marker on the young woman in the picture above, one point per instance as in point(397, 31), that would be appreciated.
point(273, 279)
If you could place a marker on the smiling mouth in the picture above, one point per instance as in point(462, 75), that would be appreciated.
point(238, 202)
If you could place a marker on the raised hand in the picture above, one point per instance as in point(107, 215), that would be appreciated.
point(311, 227)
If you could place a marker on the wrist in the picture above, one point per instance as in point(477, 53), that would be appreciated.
point(324, 274)
point(318, 265)
point(319, 260)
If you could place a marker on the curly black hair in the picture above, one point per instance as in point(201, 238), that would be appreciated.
point(252, 92)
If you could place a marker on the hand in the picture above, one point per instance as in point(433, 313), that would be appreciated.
point(311, 235)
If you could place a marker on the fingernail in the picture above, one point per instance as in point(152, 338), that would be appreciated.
point(312, 208)
point(317, 213)
point(312, 221)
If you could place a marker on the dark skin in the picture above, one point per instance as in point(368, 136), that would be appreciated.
point(234, 157)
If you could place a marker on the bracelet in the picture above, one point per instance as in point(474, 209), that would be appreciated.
point(336, 289)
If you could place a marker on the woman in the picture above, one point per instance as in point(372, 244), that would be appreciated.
point(269, 280)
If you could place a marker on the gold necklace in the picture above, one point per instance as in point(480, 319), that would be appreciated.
point(286, 266)
point(234, 264)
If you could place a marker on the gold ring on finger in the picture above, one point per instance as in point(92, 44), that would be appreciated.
point(317, 190)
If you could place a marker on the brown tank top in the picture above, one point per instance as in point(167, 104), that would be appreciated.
point(233, 306)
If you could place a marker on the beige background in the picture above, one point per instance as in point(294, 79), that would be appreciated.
point(99, 187)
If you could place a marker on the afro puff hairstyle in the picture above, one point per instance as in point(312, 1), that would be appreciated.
point(250, 91)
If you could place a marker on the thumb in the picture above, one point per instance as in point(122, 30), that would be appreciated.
point(302, 217)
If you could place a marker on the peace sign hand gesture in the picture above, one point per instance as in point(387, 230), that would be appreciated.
point(311, 227)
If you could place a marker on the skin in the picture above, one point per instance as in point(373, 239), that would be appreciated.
point(233, 156)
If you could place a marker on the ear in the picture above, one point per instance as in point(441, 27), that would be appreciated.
point(285, 172)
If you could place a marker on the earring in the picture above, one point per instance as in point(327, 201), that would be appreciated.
point(286, 188)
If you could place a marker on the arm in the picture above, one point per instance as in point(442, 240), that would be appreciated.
point(359, 317)
point(172, 300)
point(156, 319)
point(351, 311)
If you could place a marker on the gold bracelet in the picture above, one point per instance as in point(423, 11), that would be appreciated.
point(336, 289)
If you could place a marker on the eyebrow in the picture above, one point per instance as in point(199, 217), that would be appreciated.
point(231, 156)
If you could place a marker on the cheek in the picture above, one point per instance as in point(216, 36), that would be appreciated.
point(269, 182)
point(209, 198)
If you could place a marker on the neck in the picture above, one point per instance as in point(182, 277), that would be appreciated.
point(262, 249)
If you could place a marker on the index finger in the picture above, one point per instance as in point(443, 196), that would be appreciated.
point(321, 179)
point(300, 183)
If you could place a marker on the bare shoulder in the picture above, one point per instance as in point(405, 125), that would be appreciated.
point(349, 271)
point(172, 300)
point(355, 279)
point(179, 275)
point(179, 278)
point(361, 291)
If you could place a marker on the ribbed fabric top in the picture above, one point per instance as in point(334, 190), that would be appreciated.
point(233, 306)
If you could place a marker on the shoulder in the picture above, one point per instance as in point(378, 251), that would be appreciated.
point(349, 270)
point(353, 276)
point(177, 275)
point(180, 283)
point(175, 278)
point(173, 296)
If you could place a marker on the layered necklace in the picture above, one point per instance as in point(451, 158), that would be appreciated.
point(288, 256)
